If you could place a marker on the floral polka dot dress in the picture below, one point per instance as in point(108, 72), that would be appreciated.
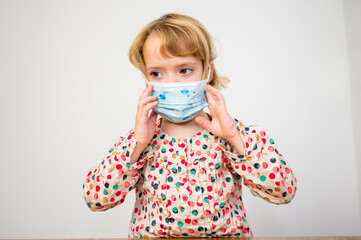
point(191, 187)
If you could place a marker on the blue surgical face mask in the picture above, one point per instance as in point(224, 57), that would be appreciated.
point(180, 101)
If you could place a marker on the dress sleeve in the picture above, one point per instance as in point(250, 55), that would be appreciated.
point(265, 171)
point(107, 184)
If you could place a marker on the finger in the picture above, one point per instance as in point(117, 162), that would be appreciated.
point(210, 98)
point(147, 91)
point(216, 93)
point(147, 100)
point(144, 100)
point(203, 122)
point(149, 107)
point(211, 101)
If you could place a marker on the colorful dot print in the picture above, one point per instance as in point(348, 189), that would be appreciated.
point(191, 187)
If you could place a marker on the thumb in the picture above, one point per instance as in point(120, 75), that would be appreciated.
point(203, 122)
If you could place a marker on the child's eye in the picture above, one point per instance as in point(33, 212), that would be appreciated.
point(156, 74)
point(185, 71)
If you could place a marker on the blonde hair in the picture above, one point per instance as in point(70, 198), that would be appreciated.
point(181, 35)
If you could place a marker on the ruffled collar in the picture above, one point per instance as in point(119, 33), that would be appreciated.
point(203, 133)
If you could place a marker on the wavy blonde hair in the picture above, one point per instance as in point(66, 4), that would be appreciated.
point(180, 35)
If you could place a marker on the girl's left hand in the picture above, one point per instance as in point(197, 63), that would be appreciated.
point(222, 124)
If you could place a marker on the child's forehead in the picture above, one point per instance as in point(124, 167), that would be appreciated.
point(156, 49)
point(170, 62)
point(166, 47)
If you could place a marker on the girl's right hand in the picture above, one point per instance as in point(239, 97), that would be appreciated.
point(145, 124)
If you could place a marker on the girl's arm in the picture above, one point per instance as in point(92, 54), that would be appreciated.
point(264, 169)
point(107, 184)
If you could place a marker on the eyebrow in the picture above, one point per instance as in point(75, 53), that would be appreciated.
point(178, 66)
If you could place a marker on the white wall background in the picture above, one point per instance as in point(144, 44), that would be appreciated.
point(67, 91)
point(352, 10)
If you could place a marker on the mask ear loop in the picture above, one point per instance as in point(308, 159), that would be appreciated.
point(145, 79)
point(209, 74)
point(208, 80)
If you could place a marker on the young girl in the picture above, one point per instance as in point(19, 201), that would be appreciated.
point(186, 166)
